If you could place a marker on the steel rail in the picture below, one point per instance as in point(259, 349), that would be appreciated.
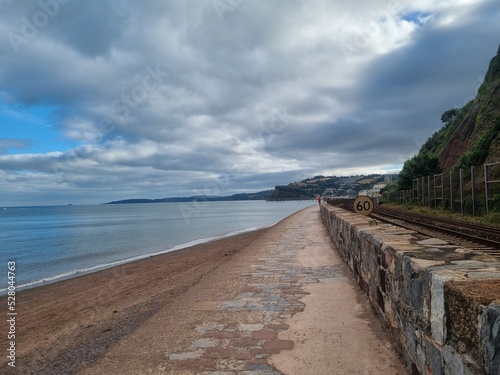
point(456, 223)
point(436, 228)
point(433, 224)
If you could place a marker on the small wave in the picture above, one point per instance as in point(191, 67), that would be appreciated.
point(83, 271)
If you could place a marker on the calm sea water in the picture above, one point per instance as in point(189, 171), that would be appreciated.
point(51, 243)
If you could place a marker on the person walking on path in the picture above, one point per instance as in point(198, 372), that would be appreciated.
point(319, 199)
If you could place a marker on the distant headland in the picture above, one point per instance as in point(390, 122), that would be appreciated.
point(261, 195)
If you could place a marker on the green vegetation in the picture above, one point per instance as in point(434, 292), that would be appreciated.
point(470, 136)
point(436, 143)
point(327, 185)
point(449, 115)
point(479, 150)
point(418, 166)
point(290, 193)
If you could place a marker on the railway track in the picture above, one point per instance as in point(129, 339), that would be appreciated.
point(473, 236)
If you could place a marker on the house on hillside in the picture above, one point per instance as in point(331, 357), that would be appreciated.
point(329, 191)
point(373, 192)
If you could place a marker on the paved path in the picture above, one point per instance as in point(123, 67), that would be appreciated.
point(288, 306)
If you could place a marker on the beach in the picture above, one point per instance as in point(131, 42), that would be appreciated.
point(85, 315)
point(274, 301)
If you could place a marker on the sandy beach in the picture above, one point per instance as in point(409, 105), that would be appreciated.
point(71, 323)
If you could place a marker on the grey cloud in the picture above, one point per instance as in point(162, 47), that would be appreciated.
point(264, 93)
point(6, 144)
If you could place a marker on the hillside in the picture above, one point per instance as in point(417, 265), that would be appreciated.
point(470, 137)
point(476, 139)
point(305, 189)
point(332, 186)
point(261, 195)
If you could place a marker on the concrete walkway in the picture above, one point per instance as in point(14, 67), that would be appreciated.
point(288, 306)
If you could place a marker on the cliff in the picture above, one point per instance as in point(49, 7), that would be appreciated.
point(470, 137)
point(476, 138)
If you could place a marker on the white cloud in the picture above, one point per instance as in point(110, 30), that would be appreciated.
point(165, 96)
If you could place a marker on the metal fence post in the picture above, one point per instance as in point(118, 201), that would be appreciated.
point(451, 191)
point(430, 195)
point(429, 190)
point(486, 178)
point(442, 191)
point(461, 191)
point(416, 190)
point(473, 183)
point(436, 187)
point(423, 190)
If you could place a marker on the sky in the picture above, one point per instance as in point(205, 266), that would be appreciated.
point(105, 100)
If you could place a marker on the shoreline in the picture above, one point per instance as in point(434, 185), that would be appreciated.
point(39, 272)
point(39, 283)
point(77, 314)
point(200, 308)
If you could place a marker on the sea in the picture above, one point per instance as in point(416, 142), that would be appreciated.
point(52, 243)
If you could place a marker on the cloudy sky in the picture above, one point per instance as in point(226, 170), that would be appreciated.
point(103, 100)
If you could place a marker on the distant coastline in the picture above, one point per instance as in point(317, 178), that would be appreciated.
point(260, 196)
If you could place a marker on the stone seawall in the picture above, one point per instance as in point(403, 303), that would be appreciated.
point(440, 302)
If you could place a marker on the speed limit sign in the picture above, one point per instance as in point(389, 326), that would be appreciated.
point(363, 205)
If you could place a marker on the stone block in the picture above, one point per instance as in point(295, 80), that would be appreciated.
point(490, 339)
point(433, 357)
point(437, 312)
point(203, 343)
point(411, 344)
point(279, 344)
point(218, 353)
point(264, 335)
point(382, 276)
point(421, 360)
point(416, 293)
point(250, 327)
point(465, 303)
point(453, 364)
point(278, 326)
point(185, 356)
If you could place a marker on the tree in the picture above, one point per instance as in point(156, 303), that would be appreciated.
point(418, 166)
point(449, 115)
